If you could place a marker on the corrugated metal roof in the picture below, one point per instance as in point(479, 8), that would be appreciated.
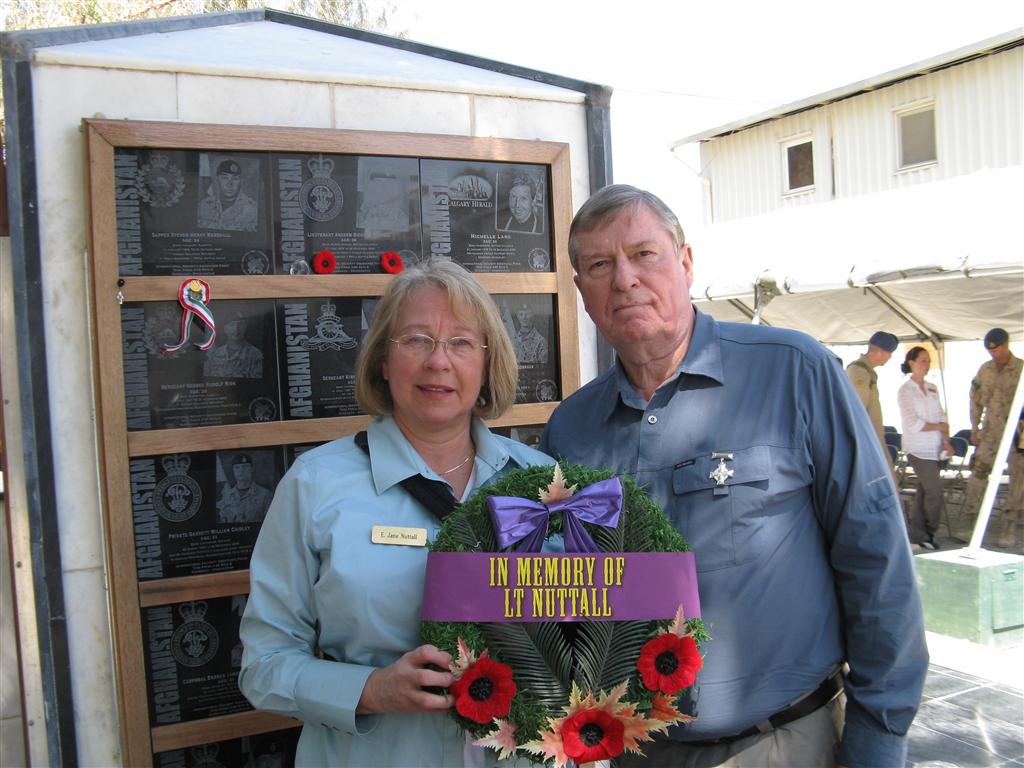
point(992, 45)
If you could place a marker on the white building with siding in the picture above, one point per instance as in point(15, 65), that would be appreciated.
point(888, 203)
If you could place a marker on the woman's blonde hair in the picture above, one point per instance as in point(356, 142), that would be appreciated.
point(469, 301)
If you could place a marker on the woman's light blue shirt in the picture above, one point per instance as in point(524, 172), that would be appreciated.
point(314, 566)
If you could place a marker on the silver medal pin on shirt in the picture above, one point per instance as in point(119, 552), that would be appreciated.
point(721, 473)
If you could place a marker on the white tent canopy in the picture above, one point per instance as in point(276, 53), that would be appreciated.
point(942, 260)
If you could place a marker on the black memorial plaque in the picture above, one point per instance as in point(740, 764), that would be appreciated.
point(265, 750)
point(489, 217)
point(200, 512)
point(235, 382)
point(525, 434)
point(193, 656)
point(529, 319)
point(192, 212)
point(292, 452)
point(356, 207)
point(320, 341)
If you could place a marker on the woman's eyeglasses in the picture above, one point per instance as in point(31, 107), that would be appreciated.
point(420, 345)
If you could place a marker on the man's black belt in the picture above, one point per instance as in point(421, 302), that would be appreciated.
point(828, 690)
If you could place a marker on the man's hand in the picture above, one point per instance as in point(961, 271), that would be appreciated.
point(399, 687)
point(974, 437)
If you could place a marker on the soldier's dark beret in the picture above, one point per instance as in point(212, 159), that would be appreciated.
point(996, 338)
point(228, 166)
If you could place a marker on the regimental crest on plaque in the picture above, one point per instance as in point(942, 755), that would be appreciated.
point(539, 260)
point(205, 756)
point(162, 330)
point(470, 187)
point(177, 497)
point(262, 409)
point(546, 391)
point(160, 183)
point(330, 333)
point(320, 196)
point(195, 642)
point(255, 262)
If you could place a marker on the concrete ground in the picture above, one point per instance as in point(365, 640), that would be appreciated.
point(972, 711)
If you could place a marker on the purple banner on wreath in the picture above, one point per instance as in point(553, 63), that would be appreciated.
point(602, 586)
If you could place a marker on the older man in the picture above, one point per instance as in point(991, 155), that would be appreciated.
point(752, 441)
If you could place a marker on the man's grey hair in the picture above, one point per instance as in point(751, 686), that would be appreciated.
point(608, 202)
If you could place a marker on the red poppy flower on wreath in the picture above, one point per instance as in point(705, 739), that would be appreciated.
point(324, 262)
point(484, 691)
point(592, 734)
point(669, 663)
point(391, 262)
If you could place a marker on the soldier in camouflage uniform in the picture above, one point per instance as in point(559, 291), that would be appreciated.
point(991, 395)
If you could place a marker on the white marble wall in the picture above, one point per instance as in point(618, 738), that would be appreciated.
point(63, 95)
point(12, 724)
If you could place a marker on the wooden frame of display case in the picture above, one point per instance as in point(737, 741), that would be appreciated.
point(140, 738)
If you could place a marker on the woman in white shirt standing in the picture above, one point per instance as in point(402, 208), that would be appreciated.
point(925, 435)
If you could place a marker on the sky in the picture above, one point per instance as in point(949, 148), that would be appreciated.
point(743, 51)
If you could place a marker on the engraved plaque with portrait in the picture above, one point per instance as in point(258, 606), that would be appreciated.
point(192, 213)
point(234, 382)
point(489, 217)
point(530, 322)
point(200, 512)
point(320, 341)
point(355, 207)
point(193, 655)
point(264, 750)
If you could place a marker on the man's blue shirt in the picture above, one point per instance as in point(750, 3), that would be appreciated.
point(802, 555)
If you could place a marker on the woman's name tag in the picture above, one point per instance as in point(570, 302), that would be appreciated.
point(390, 534)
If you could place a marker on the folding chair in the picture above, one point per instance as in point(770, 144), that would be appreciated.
point(894, 442)
point(954, 483)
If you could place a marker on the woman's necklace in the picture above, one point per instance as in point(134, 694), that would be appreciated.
point(460, 465)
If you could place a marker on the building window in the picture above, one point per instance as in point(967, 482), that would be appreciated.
point(799, 165)
point(916, 131)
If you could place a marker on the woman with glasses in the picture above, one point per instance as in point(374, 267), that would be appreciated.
point(331, 628)
point(925, 436)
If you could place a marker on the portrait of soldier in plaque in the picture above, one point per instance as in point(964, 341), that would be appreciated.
point(226, 204)
point(529, 344)
point(386, 191)
point(235, 358)
point(525, 198)
point(241, 499)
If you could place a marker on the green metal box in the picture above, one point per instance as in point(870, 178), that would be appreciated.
point(978, 598)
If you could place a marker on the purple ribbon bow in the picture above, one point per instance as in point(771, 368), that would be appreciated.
point(515, 519)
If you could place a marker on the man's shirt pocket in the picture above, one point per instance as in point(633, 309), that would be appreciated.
point(726, 505)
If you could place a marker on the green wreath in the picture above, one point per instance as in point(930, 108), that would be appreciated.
point(552, 691)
